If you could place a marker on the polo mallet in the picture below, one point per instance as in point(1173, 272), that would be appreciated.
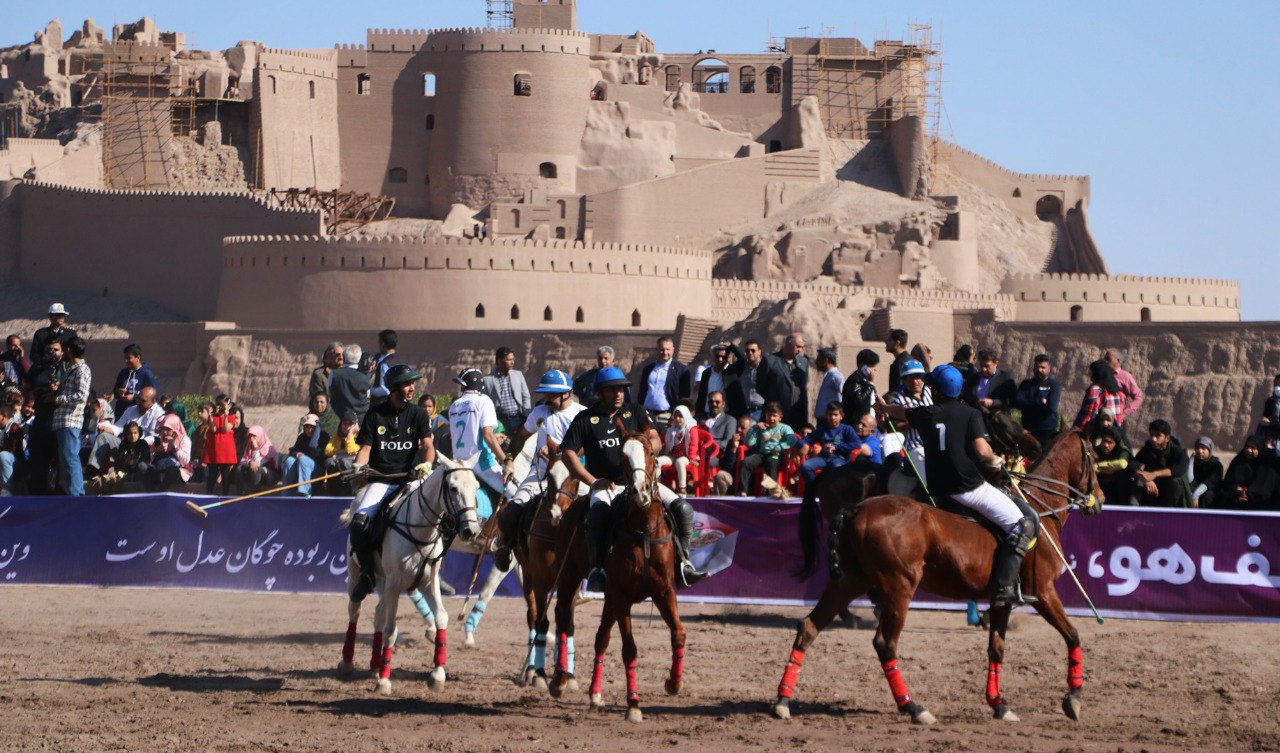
point(203, 510)
point(1063, 558)
point(912, 462)
point(484, 547)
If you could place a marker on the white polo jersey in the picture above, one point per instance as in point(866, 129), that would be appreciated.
point(548, 423)
point(469, 415)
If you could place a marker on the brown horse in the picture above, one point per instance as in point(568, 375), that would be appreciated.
point(891, 546)
point(640, 565)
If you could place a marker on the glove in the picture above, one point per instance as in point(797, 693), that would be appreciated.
point(422, 470)
point(358, 469)
point(995, 464)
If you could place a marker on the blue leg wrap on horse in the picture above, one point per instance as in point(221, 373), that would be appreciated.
point(540, 650)
point(473, 618)
point(529, 657)
point(973, 618)
point(571, 654)
point(424, 608)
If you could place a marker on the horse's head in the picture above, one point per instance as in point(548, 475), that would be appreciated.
point(1008, 437)
point(459, 487)
point(563, 486)
point(1070, 459)
point(637, 453)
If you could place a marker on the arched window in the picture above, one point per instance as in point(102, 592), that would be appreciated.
point(673, 78)
point(524, 85)
point(398, 175)
point(431, 122)
point(635, 318)
point(1077, 313)
point(580, 317)
point(773, 80)
point(747, 80)
point(515, 312)
point(479, 310)
point(428, 84)
point(1145, 314)
point(711, 76)
point(546, 314)
point(775, 146)
point(561, 234)
point(272, 80)
point(515, 219)
point(1048, 207)
point(548, 170)
point(364, 84)
point(564, 209)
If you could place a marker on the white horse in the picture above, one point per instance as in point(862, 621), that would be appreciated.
point(441, 506)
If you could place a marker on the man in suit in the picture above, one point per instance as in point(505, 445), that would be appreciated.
point(718, 378)
point(664, 383)
point(508, 390)
point(989, 389)
point(584, 385)
point(744, 398)
point(787, 380)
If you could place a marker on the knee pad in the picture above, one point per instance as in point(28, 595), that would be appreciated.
point(1022, 537)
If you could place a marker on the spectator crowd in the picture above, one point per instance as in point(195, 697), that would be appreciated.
point(740, 425)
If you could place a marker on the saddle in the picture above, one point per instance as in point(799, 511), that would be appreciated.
point(618, 529)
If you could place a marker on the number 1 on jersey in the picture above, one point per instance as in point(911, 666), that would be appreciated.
point(942, 437)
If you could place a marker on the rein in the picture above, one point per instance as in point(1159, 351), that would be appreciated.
point(1057, 488)
point(444, 524)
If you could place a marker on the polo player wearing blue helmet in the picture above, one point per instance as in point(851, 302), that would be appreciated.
point(592, 451)
point(955, 445)
point(547, 424)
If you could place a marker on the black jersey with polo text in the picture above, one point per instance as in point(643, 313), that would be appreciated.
point(947, 431)
point(594, 436)
point(394, 436)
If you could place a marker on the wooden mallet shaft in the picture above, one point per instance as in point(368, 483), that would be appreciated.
point(203, 511)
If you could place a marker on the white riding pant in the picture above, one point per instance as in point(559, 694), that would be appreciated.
point(606, 496)
point(992, 504)
point(531, 487)
point(372, 494)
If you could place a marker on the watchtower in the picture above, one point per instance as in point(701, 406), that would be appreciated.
point(546, 14)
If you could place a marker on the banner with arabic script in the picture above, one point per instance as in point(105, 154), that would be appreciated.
point(1156, 564)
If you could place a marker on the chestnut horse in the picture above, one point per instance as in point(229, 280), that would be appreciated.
point(889, 547)
point(641, 564)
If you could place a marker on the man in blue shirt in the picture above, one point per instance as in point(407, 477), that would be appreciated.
point(1037, 398)
point(833, 442)
point(664, 383)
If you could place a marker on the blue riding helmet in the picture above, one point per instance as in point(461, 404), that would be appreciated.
point(611, 376)
point(912, 368)
point(554, 382)
point(948, 380)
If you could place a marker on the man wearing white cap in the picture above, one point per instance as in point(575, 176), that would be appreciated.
point(57, 330)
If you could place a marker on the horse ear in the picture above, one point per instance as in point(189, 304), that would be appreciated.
point(870, 486)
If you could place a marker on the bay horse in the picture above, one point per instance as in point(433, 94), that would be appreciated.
point(890, 546)
point(641, 564)
point(419, 529)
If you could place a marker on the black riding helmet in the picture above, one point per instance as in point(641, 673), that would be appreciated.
point(471, 380)
point(400, 375)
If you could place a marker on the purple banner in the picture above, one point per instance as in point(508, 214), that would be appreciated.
point(1157, 564)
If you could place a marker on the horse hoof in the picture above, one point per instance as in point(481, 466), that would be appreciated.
point(430, 635)
point(673, 686)
point(597, 701)
point(539, 682)
point(526, 677)
point(782, 709)
point(382, 686)
point(571, 685)
point(925, 718)
point(436, 680)
point(635, 715)
point(346, 669)
point(470, 640)
point(1003, 713)
point(1071, 706)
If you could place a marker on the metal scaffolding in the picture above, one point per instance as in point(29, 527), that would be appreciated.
point(501, 14)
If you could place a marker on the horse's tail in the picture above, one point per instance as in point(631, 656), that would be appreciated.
point(810, 521)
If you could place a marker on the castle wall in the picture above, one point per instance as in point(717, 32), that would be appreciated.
point(1122, 298)
point(166, 246)
point(546, 14)
point(295, 120)
point(760, 112)
point(411, 283)
point(734, 300)
point(1019, 191)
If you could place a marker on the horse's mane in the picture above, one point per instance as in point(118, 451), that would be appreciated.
point(1044, 456)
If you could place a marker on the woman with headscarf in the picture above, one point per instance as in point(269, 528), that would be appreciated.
point(1103, 392)
point(1206, 474)
point(684, 448)
point(171, 455)
point(1114, 476)
point(259, 465)
point(306, 454)
point(963, 361)
point(1250, 483)
point(921, 353)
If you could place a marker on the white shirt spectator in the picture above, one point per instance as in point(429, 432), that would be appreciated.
point(469, 416)
point(656, 399)
point(149, 422)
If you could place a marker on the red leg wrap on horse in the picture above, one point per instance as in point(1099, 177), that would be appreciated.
point(677, 663)
point(633, 687)
point(385, 673)
point(993, 684)
point(897, 685)
point(442, 652)
point(349, 645)
point(562, 653)
point(376, 662)
point(787, 687)
point(1075, 668)
point(597, 675)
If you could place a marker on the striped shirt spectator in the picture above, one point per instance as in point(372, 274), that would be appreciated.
point(911, 438)
point(73, 396)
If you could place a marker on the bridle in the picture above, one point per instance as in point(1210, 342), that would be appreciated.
point(445, 525)
point(1086, 501)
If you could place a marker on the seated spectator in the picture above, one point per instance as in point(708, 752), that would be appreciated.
point(258, 468)
point(146, 412)
point(98, 416)
point(1114, 475)
point(686, 447)
point(340, 452)
point(1269, 424)
point(219, 458)
point(727, 463)
point(428, 404)
point(831, 445)
point(10, 447)
point(1206, 474)
point(320, 407)
point(306, 454)
point(868, 447)
point(131, 461)
point(170, 457)
point(765, 443)
point(1251, 480)
point(719, 425)
point(1160, 473)
point(241, 433)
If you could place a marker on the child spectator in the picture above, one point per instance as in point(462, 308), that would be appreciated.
point(728, 461)
point(200, 437)
point(1206, 474)
point(132, 379)
point(341, 451)
point(306, 454)
point(10, 447)
point(219, 456)
point(686, 446)
point(830, 445)
point(131, 461)
point(258, 466)
point(241, 432)
point(171, 456)
point(1114, 477)
point(765, 443)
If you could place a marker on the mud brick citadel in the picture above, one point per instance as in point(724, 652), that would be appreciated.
point(531, 184)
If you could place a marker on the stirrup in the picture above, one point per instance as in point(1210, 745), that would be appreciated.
point(689, 575)
point(596, 580)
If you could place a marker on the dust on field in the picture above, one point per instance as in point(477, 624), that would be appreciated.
point(98, 669)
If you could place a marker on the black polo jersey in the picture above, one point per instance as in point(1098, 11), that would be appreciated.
point(947, 431)
point(394, 436)
point(594, 436)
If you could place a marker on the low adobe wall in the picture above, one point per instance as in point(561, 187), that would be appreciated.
point(1122, 298)
point(297, 282)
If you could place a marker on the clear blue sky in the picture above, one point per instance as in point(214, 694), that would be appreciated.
point(1172, 107)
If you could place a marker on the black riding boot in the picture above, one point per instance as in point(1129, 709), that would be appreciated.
point(597, 528)
point(508, 531)
point(683, 512)
point(361, 532)
point(1022, 537)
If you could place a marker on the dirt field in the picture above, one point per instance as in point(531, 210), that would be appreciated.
point(90, 670)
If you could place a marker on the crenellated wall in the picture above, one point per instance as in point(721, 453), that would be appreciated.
point(163, 245)
point(734, 300)
point(1019, 191)
point(310, 282)
point(295, 119)
point(1122, 298)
